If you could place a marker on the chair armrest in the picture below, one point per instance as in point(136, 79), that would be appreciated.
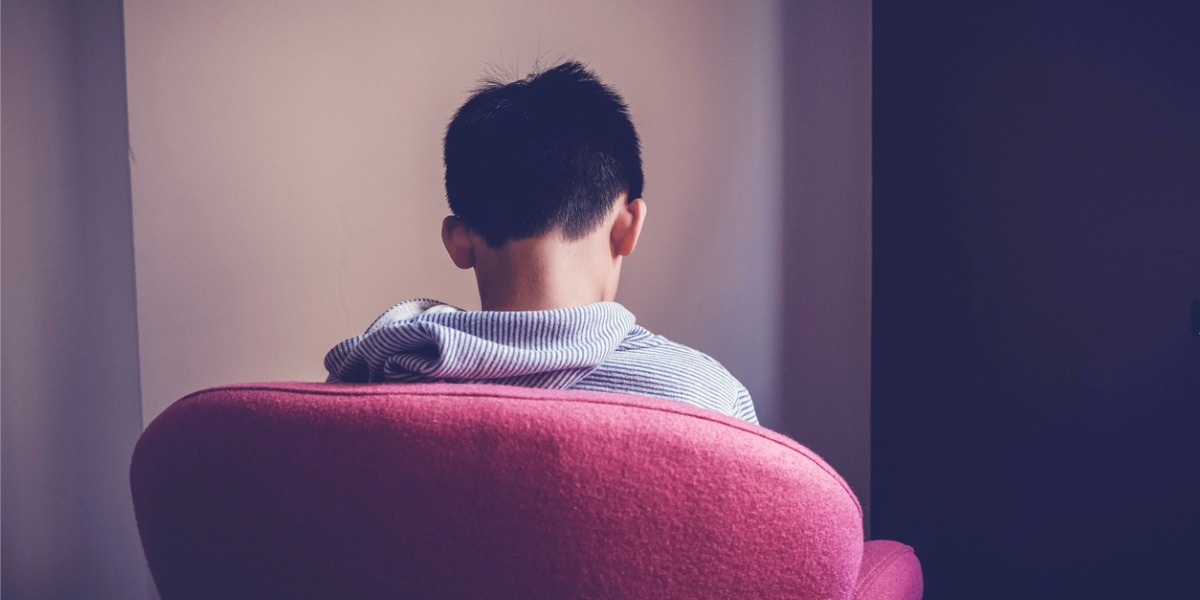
point(890, 571)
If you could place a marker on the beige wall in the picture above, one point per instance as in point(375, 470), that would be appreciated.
point(286, 188)
point(287, 171)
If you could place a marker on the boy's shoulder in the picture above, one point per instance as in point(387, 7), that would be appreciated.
point(653, 365)
point(641, 340)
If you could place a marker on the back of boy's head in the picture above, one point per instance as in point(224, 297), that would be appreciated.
point(553, 150)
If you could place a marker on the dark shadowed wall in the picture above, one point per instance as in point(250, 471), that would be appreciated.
point(1036, 389)
point(71, 404)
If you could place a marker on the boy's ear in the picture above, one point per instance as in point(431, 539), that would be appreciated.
point(458, 241)
point(628, 227)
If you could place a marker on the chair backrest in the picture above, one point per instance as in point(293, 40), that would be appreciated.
point(305, 490)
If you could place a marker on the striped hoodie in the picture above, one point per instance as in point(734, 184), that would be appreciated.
point(594, 347)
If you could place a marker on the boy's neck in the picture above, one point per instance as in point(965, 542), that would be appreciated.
point(544, 274)
point(523, 299)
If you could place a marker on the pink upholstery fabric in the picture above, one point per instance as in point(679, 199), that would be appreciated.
point(890, 571)
point(299, 490)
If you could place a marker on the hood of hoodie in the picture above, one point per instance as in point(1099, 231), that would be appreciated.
point(426, 340)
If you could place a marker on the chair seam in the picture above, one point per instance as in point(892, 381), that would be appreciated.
point(880, 566)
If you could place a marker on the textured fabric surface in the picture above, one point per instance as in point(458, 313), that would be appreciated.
point(596, 347)
point(890, 571)
point(465, 491)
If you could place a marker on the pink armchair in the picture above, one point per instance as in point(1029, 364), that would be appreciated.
point(307, 490)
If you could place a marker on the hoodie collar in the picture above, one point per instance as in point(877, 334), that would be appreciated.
point(426, 340)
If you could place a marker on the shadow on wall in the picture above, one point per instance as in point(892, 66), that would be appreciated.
point(1036, 254)
point(71, 407)
point(825, 362)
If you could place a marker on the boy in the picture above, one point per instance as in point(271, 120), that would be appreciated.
point(544, 180)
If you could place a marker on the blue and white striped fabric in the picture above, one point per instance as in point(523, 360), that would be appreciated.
point(593, 347)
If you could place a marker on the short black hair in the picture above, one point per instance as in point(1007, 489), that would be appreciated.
point(554, 149)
